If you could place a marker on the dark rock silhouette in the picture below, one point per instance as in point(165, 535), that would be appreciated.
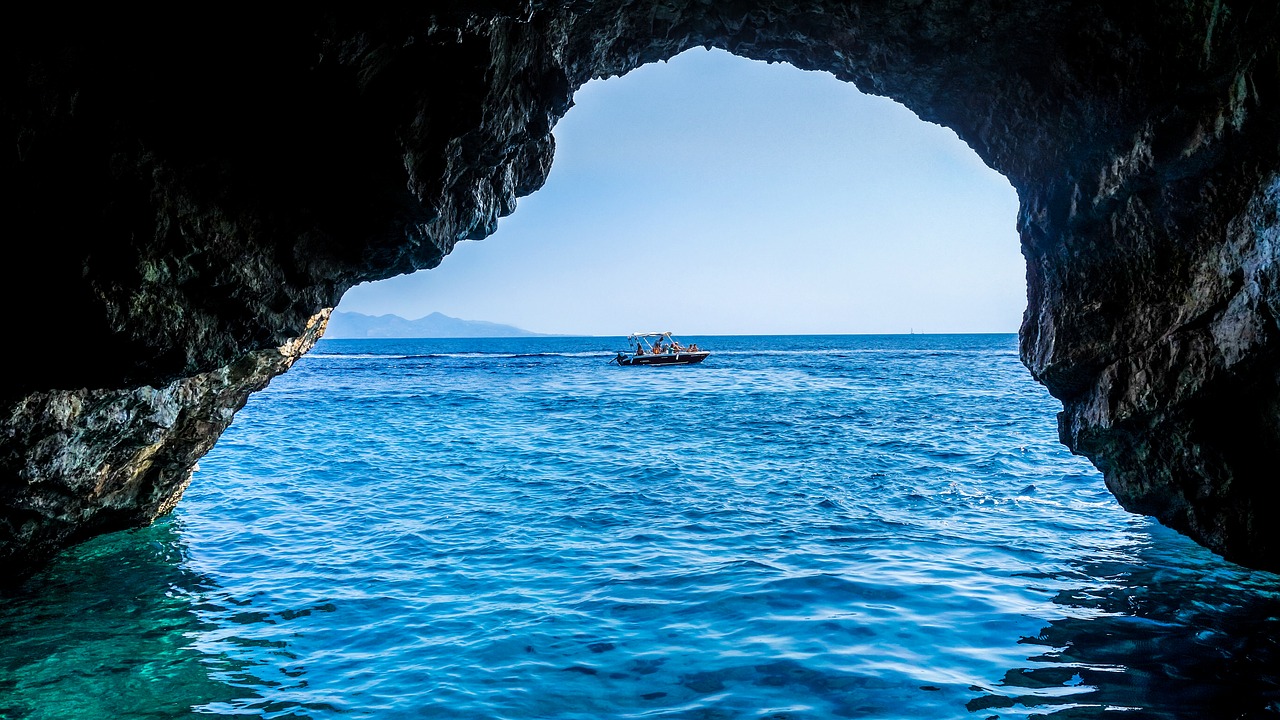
point(187, 194)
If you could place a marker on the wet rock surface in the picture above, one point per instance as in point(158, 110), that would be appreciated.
point(189, 194)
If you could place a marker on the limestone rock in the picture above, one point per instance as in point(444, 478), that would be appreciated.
point(187, 194)
point(81, 462)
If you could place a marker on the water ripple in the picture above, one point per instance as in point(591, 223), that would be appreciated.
point(798, 528)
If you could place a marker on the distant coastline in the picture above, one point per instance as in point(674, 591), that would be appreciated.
point(437, 326)
point(353, 325)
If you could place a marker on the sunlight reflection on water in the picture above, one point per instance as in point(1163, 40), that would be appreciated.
point(870, 527)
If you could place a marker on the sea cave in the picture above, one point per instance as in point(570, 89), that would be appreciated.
point(191, 194)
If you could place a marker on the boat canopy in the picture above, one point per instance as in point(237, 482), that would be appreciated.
point(649, 338)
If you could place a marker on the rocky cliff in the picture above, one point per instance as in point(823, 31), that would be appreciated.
point(189, 192)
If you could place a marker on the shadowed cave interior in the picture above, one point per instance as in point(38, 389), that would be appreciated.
point(194, 198)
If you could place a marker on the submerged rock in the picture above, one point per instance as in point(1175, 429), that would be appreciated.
point(189, 195)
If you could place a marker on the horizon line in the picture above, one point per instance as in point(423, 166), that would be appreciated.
point(532, 334)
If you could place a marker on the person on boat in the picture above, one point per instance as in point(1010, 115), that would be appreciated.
point(693, 347)
point(675, 346)
point(639, 348)
point(657, 348)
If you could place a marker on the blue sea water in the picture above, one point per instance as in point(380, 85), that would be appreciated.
point(800, 527)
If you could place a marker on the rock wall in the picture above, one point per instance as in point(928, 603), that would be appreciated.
point(189, 193)
point(88, 461)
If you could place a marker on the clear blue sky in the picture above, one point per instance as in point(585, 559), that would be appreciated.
point(717, 195)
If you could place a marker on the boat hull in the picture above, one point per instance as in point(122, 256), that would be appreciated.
point(683, 358)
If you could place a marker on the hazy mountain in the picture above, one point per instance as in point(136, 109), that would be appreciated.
point(435, 325)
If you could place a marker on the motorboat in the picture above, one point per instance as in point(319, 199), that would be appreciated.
point(659, 348)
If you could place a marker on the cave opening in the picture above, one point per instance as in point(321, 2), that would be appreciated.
point(775, 200)
point(402, 551)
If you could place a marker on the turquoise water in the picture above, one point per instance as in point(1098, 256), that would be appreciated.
point(801, 527)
